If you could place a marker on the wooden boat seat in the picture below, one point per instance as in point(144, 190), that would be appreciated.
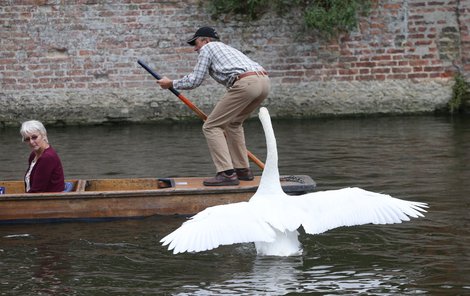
point(122, 184)
point(17, 187)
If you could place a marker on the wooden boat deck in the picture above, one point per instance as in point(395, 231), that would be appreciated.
point(129, 198)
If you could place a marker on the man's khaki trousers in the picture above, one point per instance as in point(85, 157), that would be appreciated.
point(229, 151)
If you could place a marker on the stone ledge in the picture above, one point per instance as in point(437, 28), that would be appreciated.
point(303, 100)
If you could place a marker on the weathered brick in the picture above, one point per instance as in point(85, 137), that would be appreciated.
point(418, 76)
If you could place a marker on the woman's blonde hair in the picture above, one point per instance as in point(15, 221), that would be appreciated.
point(32, 127)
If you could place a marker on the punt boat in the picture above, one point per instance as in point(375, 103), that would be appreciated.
point(105, 199)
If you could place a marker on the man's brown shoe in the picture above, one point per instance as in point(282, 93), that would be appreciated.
point(222, 179)
point(244, 174)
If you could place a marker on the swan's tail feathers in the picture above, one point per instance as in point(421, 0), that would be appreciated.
point(286, 244)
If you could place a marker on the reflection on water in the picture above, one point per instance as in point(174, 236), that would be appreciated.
point(417, 158)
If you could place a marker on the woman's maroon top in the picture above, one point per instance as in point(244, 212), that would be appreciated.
point(47, 174)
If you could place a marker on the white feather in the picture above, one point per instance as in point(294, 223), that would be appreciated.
point(219, 225)
point(271, 217)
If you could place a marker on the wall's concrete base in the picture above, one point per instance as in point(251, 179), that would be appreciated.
point(305, 100)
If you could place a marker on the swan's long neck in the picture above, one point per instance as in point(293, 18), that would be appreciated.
point(270, 183)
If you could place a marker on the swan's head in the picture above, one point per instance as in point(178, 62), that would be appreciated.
point(263, 113)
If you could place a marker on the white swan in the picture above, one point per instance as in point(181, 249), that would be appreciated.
point(271, 218)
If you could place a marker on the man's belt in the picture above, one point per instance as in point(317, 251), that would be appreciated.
point(258, 73)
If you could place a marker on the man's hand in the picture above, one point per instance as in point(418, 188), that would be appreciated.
point(165, 83)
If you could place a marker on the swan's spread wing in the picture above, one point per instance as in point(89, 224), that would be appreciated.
point(354, 206)
point(219, 225)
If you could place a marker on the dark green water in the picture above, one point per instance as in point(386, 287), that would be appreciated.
point(424, 159)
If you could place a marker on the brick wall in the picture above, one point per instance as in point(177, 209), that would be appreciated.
point(464, 28)
point(75, 61)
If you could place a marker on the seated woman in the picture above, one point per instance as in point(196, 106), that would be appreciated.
point(45, 173)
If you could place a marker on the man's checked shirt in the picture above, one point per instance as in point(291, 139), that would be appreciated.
point(222, 62)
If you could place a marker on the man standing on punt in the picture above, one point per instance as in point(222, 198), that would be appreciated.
point(247, 86)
